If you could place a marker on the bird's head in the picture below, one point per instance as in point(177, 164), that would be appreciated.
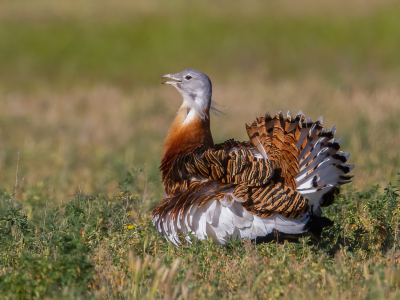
point(195, 88)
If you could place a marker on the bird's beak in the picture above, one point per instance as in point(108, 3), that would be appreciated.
point(174, 78)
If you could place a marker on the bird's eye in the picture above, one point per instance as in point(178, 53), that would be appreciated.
point(187, 77)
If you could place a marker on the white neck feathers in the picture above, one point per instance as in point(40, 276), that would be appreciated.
point(195, 107)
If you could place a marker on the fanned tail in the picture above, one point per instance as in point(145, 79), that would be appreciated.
point(305, 154)
point(322, 166)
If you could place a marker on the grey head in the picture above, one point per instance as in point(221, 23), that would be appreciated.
point(195, 87)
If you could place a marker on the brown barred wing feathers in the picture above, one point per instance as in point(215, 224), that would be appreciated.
point(276, 198)
point(279, 135)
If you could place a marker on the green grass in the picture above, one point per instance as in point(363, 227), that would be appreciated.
point(101, 247)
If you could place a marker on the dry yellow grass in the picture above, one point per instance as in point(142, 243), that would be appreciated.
point(93, 136)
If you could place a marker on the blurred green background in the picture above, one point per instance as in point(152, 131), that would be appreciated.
point(81, 100)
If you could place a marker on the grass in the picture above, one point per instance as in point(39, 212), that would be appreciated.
point(81, 105)
point(101, 247)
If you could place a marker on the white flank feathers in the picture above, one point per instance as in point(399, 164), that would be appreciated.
point(222, 219)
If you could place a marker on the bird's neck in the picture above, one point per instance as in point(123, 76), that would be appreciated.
point(189, 132)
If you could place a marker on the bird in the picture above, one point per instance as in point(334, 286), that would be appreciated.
point(269, 188)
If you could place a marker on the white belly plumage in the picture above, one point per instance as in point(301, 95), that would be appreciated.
point(222, 219)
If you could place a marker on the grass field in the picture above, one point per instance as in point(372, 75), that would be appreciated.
point(81, 106)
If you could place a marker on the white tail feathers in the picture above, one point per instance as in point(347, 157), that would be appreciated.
point(322, 165)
